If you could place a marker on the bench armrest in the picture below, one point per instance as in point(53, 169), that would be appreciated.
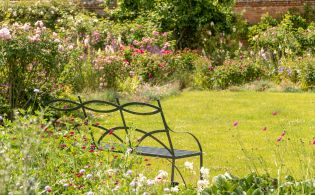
point(192, 135)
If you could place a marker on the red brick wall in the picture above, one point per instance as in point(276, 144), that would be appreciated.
point(252, 10)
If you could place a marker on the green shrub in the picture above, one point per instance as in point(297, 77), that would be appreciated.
point(233, 72)
point(301, 71)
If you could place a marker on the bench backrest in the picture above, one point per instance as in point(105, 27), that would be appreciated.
point(85, 106)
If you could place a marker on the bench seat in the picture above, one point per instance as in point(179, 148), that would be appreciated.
point(158, 152)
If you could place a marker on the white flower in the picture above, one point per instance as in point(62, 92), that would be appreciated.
point(82, 171)
point(128, 151)
point(150, 182)
point(1, 118)
point(5, 34)
point(60, 48)
point(36, 90)
point(39, 23)
point(48, 189)
point(65, 185)
point(70, 47)
point(189, 165)
point(133, 183)
point(116, 188)
point(161, 176)
point(204, 172)
point(142, 178)
point(86, 41)
point(202, 184)
point(166, 190)
point(89, 176)
point(111, 171)
point(89, 193)
point(57, 40)
point(128, 173)
point(175, 189)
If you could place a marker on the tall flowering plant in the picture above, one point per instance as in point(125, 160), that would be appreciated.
point(31, 56)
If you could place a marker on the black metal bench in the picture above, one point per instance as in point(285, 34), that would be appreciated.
point(167, 152)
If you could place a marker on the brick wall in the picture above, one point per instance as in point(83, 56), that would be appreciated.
point(252, 10)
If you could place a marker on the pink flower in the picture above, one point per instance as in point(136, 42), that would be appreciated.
point(48, 189)
point(111, 131)
point(155, 33)
point(274, 113)
point(283, 133)
point(96, 35)
point(235, 123)
point(34, 38)
point(5, 34)
point(279, 139)
point(26, 27)
point(136, 43)
point(210, 68)
point(313, 142)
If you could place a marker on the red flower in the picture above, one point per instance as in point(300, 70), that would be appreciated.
point(83, 147)
point(313, 142)
point(71, 133)
point(283, 133)
point(139, 51)
point(150, 75)
point(167, 52)
point(162, 65)
point(91, 150)
point(63, 145)
point(274, 113)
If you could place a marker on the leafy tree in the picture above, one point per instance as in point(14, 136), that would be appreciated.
point(186, 18)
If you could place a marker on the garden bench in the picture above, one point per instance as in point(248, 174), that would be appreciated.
point(166, 151)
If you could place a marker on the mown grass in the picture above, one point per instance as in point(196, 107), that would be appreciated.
point(246, 147)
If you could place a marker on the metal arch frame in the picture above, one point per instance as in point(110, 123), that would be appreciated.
point(124, 108)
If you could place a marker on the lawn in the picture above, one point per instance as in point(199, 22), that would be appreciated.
point(252, 144)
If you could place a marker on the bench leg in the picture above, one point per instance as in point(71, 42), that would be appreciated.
point(173, 183)
point(201, 165)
